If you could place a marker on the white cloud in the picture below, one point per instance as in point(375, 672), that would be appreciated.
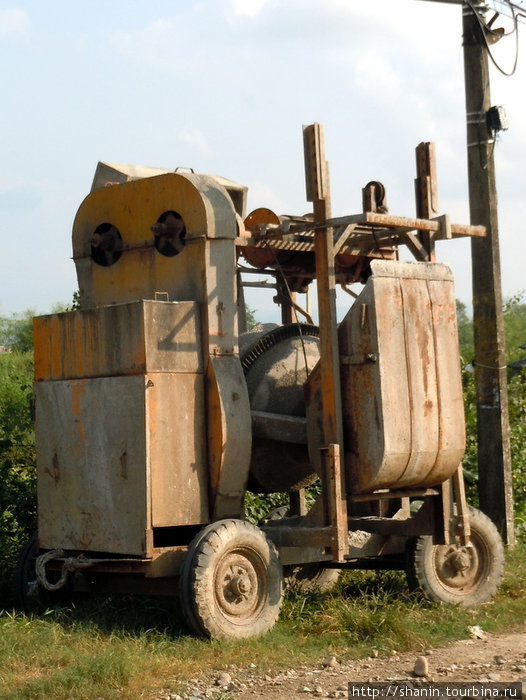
point(260, 194)
point(249, 8)
point(196, 140)
point(14, 22)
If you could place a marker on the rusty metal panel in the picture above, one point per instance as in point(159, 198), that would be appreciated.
point(177, 449)
point(91, 456)
point(133, 338)
point(117, 456)
point(229, 434)
point(402, 391)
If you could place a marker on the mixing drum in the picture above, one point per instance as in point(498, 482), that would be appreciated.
point(276, 364)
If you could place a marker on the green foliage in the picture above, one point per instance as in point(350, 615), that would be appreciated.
point(17, 331)
point(251, 317)
point(17, 461)
point(517, 411)
point(515, 326)
point(465, 333)
point(258, 506)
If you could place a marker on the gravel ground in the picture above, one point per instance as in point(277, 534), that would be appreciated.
point(481, 658)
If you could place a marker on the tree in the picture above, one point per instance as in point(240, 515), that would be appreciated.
point(16, 331)
point(465, 333)
point(17, 462)
point(515, 326)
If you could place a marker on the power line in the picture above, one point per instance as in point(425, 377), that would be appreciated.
point(507, 8)
point(488, 31)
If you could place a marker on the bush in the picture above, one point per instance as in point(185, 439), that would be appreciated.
point(515, 323)
point(17, 462)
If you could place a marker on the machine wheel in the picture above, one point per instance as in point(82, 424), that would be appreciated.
point(231, 583)
point(310, 578)
point(467, 575)
point(30, 596)
point(305, 578)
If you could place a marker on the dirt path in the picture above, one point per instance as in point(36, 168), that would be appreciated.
point(483, 658)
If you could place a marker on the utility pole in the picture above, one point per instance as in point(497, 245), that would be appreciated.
point(494, 455)
point(493, 435)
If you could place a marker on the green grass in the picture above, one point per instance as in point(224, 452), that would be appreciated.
point(124, 647)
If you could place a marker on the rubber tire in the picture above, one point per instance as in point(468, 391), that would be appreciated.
point(30, 596)
point(304, 578)
point(310, 578)
point(237, 552)
point(428, 570)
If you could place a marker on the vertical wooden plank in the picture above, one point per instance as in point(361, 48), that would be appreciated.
point(318, 188)
point(317, 180)
point(459, 496)
point(337, 503)
point(426, 192)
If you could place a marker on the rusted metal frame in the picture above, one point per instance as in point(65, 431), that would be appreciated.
point(260, 285)
point(394, 236)
point(287, 300)
point(411, 493)
point(443, 515)
point(364, 220)
point(337, 501)
point(166, 561)
point(432, 225)
point(422, 523)
point(410, 527)
point(283, 536)
point(137, 566)
point(400, 222)
point(298, 502)
point(367, 244)
point(333, 479)
point(341, 236)
point(415, 245)
point(462, 525)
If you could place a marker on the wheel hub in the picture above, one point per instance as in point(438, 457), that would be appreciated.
point(240, 586)
point(460, 560)
point(237, 587)
point(458, 567)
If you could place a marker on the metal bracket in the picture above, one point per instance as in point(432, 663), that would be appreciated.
point(358, 359)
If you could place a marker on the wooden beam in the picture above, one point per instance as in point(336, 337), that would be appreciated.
point(317, 179)
point(426, 193)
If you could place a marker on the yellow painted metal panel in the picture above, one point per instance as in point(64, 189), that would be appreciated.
point(133, 208)
point(134, 338)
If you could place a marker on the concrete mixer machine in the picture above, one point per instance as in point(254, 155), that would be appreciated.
point(155, 409)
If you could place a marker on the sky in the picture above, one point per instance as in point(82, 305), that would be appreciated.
point(224, 87)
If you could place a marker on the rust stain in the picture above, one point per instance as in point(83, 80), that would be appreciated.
point(428, 407)
point(54, 472)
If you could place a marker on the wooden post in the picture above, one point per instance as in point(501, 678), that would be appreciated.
point(317, 180)
point(494, 458)
point(426, 192)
